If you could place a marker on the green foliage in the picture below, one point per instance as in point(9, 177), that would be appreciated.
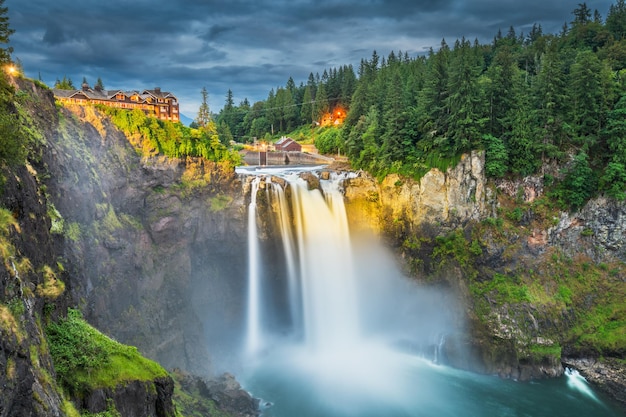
point(111, 411)
point(56, 220)
point(12, 149)
point(190, 401)
point(329, 141)
point(502, 289)
point(64, 84)
point(496, 156)
point(579, 183)
point(455, 246)
point(5, 33)
point(85, 359)
point(546, 351)
point(602, 328)
point(220, 202)
point(151, 136)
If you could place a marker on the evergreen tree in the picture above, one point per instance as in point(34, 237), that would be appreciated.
point(434, 98)
point(550, 102)
point(496, 156)
point(5, 34)
point(320, 107)
point(616, 20)
point(64, 84)
point(579, 183)
point(587, 96)
point(204, 113)
point(394, 118)
point(465, 102)
point(503, 74)
point(306, 111)
point(272, 111)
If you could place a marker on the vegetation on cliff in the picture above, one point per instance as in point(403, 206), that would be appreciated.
point(85, 359)
point(151, 137)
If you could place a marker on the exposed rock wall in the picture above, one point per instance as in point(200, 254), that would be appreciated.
point(449, 199)
point(148, 230)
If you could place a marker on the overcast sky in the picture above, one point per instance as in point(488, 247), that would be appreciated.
point(249, 46)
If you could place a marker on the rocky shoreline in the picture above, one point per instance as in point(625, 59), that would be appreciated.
point(609, 375)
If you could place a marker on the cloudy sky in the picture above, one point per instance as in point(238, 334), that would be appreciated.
point(248, 46)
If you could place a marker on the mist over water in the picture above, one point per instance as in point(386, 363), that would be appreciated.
point(356, 337)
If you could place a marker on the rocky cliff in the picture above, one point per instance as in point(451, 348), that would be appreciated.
point(133, 242)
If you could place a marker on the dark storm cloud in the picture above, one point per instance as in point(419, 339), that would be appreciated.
point(248, 46)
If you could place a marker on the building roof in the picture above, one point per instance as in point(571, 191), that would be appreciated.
point(97, 94)
point(284, 140)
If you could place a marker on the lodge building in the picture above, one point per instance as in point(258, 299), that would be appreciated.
point(160, 104)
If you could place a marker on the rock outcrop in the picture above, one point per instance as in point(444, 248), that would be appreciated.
point(446, 198)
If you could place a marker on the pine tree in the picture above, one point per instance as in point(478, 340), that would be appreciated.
point(501, 91)
point(5, 34)
point(306, 111)
point(550, 102)
point(616, 20)
point(320, 108)
point(465, 101)
point(587, 96)
point(434, 99)
point(204, 113)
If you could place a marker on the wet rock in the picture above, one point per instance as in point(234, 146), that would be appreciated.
point(312, 180)
point(230, 397)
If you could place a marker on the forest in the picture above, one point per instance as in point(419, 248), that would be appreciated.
point(536, 103)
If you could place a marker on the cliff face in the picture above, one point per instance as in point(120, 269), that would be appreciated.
point(89, 224)
point(397, 205)
point(146, 236)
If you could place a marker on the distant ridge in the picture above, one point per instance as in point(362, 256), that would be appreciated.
point(185, 120)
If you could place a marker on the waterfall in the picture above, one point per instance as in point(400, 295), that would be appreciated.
point(289, 250)
point(254, 270)
point(321, 289)
point(326, 272)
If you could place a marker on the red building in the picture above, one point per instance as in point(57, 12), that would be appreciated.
point(286, 144)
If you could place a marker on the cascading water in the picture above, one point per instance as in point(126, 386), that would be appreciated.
point(361, 339)
point(254, 271)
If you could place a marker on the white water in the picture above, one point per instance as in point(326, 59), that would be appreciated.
point(346, 312)
point(289, 252)
point(578, 382)
point(364, 341)
point(254, 270)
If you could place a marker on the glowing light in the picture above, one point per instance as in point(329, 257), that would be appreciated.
point(11, 70)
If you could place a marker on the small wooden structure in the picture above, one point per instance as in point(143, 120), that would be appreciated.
point(286, 144)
